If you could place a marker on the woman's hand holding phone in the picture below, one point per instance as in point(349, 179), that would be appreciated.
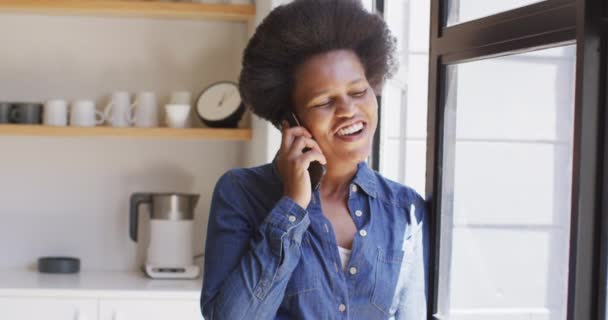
point(293, 163)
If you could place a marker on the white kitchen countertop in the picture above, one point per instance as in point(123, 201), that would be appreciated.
point(96, 284)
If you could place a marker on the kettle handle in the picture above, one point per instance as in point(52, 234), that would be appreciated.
point(136, 200)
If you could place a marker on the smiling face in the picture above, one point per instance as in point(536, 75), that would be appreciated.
point(334, 101)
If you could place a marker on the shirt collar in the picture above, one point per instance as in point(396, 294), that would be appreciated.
point(364, 177)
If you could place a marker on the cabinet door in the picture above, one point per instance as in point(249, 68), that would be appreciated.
point(47, 308)
point(127, 309)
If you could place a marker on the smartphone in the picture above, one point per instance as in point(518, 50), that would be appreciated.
point(316, 170)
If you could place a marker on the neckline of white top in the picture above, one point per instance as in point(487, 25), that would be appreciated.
point(344, 250)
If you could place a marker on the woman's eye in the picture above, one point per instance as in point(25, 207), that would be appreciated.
point(359, 93)
point(321, 105)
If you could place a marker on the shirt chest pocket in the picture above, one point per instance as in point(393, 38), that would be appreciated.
point(388, 279)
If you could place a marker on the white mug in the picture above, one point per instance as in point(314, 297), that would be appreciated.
point(146, 110)
point(177, 115)
point(117, 110)
point(181, 97)
point(84, 114)
point(55, 113)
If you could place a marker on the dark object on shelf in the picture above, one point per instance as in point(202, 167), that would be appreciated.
point(26, 113)
point(58, 265)
point(220, 105)
point(5, 112)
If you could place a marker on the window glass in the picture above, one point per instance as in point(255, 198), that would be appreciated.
point(506, 194)
point(460, 11)
point(404, 98)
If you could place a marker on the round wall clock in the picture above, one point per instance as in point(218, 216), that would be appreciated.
point(220, 105)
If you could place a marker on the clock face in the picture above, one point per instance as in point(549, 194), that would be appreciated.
point(219, 101)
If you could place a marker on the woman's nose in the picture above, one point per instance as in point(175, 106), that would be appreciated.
point(346, 108)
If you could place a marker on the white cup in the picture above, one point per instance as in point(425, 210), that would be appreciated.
point(55, 113)
point(84, 114)
point(146, 110)
point(117, 110)
point(181, 97)
point(177, 115)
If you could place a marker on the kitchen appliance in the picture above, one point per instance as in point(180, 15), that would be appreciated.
point(169, 253)
point(58, 265)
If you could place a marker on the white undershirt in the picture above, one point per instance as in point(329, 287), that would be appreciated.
point(344, 256)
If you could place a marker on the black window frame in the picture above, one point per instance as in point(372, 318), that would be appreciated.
point(543, 24)
point(378, 6)
point(603, 264)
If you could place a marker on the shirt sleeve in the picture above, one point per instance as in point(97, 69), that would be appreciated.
point(247, 268)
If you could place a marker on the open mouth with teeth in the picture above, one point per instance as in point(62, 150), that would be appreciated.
point(352, 130)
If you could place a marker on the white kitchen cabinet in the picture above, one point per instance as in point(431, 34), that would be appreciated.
point(149, 310)
point(97, 296)
point(23, 308)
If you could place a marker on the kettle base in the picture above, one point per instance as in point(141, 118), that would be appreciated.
point(186, 272)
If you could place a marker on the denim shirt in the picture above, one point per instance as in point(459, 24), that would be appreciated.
point(268, 258)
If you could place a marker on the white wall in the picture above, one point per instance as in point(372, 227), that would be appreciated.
point(68, 196)
point(267, 139)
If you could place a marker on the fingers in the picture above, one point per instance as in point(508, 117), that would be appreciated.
point(306, 158)
point(290, 133)
point(301, 162)
point(301, 142)
point(303, 159)
point(295, 140)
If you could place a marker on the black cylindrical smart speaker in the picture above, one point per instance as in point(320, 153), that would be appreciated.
point(58, 265)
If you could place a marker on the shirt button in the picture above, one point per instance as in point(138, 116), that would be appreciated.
point(352, 270)
point(291, 218)
point(358, 213)
point(342, 307)
point(362, 233)
point(354, 188)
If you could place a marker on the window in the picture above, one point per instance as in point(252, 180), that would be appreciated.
point(369, 5)
point(404, 98)
point(506, 185)
point(512, 157)
point(514, 160)
point(460, 11)
point(604, 236)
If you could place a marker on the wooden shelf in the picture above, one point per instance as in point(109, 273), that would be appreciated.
point(131, 8)
point(188, 133)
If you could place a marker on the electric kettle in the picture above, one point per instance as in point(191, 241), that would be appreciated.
point(169, 254)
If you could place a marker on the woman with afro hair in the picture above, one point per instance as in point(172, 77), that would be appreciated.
point(355, 245)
